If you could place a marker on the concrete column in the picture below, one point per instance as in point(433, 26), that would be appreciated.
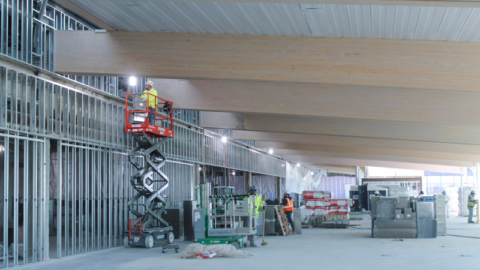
point(357, 176)
point(462, 199)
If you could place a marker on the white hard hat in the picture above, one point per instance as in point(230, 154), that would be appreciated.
point(149, 83)
point(376, 192)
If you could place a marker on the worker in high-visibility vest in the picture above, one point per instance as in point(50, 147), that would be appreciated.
point(152, 101)
point(260, 207)
point(288, 208)
point(377, 193)
point(471, 205)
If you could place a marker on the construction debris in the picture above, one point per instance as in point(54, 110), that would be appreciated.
point(192, 250)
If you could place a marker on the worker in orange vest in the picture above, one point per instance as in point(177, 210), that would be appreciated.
point(288, 208)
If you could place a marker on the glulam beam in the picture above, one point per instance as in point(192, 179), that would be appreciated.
point(286, 59)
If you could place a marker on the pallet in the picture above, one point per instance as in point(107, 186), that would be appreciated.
point(282, 220)
point(336, 226)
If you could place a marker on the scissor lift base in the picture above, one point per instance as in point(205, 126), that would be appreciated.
point(160, 238)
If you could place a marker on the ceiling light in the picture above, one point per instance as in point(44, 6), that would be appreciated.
point(199, 168)
point(2, 148)
point(312, 173)
point(298, 164)
point(233, 173)
point(224, 139)
point(132, 81)
point(270, 151)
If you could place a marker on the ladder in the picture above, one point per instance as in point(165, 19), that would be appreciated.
point(143, 182)
point(282, 220)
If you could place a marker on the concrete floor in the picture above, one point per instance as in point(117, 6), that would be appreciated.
point(314, 249)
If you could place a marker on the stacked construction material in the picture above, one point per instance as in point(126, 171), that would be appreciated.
point(316, 195)
point(318, 203)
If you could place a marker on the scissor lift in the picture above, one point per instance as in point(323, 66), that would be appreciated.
point(149, 229)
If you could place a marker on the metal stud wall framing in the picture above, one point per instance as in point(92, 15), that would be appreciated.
point(93, 172)
point(26, 37)
point(92, 191)
point(22, 200)
point(29, 103)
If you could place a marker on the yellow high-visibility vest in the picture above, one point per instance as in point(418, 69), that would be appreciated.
point(470, 199)
point(259, 201)
point(151, 98)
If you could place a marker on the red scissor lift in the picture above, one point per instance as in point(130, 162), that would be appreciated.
point(137, 120)
point(149, 229)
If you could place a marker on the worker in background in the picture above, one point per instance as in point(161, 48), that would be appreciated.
point(470, 205)
point(288, 208)
point(421, 194)
point(152, 101)
point(447, 205)
point(260, 207)
point(377, 193)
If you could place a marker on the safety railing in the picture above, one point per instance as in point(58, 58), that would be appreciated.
point(150, 114)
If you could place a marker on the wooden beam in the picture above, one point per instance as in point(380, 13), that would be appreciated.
point(425, 3)
point(338, 126)
point(352, 148)
point(360, 145)
point(332, 169)
point(329, 161)
point(391, 158)
point(346, 61)
point(345, 101)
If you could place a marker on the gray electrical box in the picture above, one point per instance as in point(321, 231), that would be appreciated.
point(199, 223)
point(270, 220)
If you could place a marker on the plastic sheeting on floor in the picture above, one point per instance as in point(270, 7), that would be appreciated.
point(221, 251)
